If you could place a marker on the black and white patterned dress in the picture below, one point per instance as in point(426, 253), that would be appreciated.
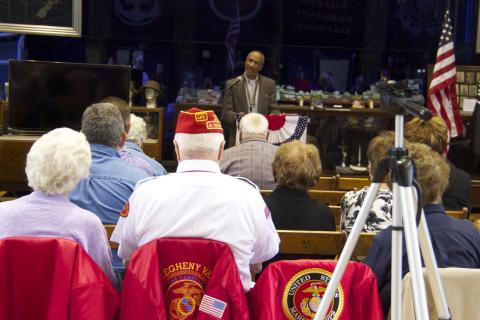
point(380, 216)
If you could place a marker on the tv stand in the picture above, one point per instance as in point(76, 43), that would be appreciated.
point(14, 148)
point(13, 156)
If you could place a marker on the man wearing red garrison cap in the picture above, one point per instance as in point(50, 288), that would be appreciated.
point(199, 201)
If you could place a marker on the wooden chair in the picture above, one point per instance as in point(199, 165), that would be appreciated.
point(109, 229)
point(310, 242)
point(351, 183)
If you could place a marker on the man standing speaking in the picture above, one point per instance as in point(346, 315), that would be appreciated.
point(250, 92)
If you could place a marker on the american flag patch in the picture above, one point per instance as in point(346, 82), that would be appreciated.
point(212, 306)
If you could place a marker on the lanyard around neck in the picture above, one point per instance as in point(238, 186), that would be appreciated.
point(251, 100)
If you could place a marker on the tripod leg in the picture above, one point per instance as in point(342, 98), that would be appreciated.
point(433, 273)
point(396, 272)
point(347, 251)
point(413, 252)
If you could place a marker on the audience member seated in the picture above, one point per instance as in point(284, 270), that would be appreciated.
point(111, 180)
point(55, 164)
point(380, 215)
point(134, 146)
point(129, 151)
point(253, 157)
point(456, 243)
point(434, 133)
point(300, 83)
point(296, 168)
point(199, 201)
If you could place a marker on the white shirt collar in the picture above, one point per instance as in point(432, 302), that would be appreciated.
point(250, 79)
point(198, 166)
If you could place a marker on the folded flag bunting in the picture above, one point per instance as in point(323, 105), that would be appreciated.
point(284, 128)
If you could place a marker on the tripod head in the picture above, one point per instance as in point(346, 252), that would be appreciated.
point(397, 98)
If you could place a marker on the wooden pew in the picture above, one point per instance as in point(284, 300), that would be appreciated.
point(475, 195)
point(337, 213)
point(459, 214)
point(325, 183)
point(4, 196)
point(327, 197)
point(303, 242)
point(310, 242)
point(351, 183)
point(109, 229)
point(363, 244)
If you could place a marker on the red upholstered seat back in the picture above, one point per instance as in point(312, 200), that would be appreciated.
point(168, 278)
point(48, 278)
point(293, 290)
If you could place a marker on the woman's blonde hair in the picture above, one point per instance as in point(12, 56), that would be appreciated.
point(378, 148)
point(432, 171)
point(297, 165)
point(433, 133)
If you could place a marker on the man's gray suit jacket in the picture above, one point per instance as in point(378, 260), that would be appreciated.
point(235, 101)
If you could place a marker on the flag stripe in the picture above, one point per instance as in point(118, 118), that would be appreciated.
point(443, 78)
point(445, 48)
point(448, 61)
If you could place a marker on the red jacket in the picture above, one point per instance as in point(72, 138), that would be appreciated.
point(169, 277)
point(293, 290)
point(48, 278)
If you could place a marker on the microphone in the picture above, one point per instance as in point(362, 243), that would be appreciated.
point(234, 82)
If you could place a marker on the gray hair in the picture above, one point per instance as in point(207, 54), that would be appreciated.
point(102, 123)
point(58, 161)
point(199, 146)
point(138, 130)
point(253, 124)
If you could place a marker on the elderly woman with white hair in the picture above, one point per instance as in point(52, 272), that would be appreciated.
point(55, 164)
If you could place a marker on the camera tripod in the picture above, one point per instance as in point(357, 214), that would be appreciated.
point(404, 196)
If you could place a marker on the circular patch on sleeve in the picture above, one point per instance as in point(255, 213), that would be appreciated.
point(124, 212)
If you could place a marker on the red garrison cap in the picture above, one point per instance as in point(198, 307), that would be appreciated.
point(195, 121)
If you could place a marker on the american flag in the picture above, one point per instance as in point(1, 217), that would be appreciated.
point(231, 38)
point(442, 94)
point(212, 306)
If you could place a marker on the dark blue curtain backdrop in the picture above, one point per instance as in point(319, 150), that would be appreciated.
point(396, 38)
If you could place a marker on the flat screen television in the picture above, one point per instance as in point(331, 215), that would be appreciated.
point(47, 95)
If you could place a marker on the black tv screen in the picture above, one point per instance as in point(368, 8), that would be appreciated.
point(47, 95)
